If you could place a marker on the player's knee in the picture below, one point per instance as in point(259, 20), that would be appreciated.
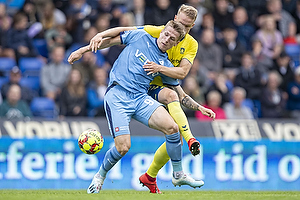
point(123, 148)
point(172, 128)
point(172, 96)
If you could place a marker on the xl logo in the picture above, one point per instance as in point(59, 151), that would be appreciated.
point(234, 130)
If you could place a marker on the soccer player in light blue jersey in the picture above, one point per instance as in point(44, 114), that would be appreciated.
point(126, 97)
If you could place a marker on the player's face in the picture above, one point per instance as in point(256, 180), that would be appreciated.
point(187, 22)
point(167, 39)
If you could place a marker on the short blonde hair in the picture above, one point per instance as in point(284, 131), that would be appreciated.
point(190, 11)
point(178, 27)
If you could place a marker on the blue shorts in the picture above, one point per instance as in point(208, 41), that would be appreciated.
point(121, 105)
point(154, 90)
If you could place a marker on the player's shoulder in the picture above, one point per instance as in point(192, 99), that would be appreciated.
point(153, 28)
point(190, 40)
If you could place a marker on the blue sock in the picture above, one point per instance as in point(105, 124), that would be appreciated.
point(173, 145)
point(111, 157)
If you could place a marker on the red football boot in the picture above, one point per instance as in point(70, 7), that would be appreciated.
point(150, 183)
point(194, 146)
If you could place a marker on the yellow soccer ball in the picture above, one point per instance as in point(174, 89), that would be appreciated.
point(90, 141)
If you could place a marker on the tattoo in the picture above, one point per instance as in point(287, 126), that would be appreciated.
point(190, 103)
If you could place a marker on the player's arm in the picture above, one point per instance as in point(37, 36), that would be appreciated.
point(179, 72)
point(190, 103)
point(107, 42)
point(96, 41)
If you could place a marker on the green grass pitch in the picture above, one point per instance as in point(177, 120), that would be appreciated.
point(145, 195)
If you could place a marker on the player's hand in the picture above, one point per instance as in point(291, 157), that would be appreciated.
point(207, 112)
point(151, 67)
point(95, 42)
point(76, 55)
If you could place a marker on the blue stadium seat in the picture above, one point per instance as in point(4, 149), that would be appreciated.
point(3, 80)
point(293, 50)
point(6, 64)
point(30, 66)
point(41, 47)
point(31, 82)
point(43, 107)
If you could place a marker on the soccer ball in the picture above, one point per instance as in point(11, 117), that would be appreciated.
point(90, 141)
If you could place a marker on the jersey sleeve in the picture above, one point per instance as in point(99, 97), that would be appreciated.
point(168, 80)
point(128, 37)
point(154, 31)
point(191, 51)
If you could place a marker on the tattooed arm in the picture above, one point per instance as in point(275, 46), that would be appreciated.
point(190, 103)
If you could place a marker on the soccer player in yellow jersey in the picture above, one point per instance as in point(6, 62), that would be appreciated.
point(182, 57)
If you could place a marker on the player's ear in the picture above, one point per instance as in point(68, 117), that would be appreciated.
point(175, 17)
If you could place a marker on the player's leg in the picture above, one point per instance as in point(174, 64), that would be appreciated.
point(117, 116)
point(170, 98)
point(112, 156)
point(161, 120)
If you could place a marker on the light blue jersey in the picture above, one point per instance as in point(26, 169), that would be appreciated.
point(126, 96)
point(128, 70)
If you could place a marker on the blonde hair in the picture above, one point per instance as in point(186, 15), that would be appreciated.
point(178, 27)
point(190, 11)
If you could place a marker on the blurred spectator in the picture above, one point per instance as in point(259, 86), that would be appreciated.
point(54, 74)
point(263, 62)
point(244, 28)
point(235, 109)
point(96, 92)
point(289, 5)
point(126, 19)
point(292, 37)
point(89, 34)
point(296, 16)
point(73, 99)
point(293, 103)
point(113, 52)
point(78, 20)
point(213, 102)
point(283, 19)
point(209, 23)
point(191, 88)
point(209, 54)
point(254, 8)
point(18, 39)
point(285, 69)
point(58, 36)
point(161, 13)
point(87, 66)
point(201, 78)
point(13, 107)
point(201, 11)
point(141, 12)
point(232, 49)
point(14, 79)
point(30, 10)
point(51, 16)
point(115, 11)
point(222, 16)
point(103, 22)
point(270, 38)
point(273, 100)
point(220, 85)
point(5, 25)
point(249, 77)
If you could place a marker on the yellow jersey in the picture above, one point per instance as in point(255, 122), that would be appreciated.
point(186, 49)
